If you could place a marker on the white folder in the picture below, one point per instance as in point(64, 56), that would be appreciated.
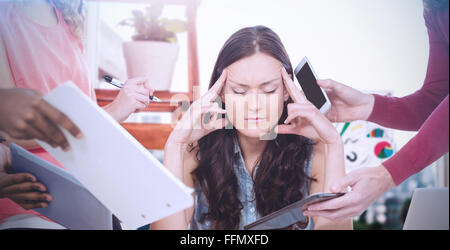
point(113, 165)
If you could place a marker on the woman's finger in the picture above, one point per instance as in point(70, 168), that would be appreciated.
point(340, 203)
point(319, 123)
point(12, 179)
point(291, 88)
point(334, 215)
point(136, 81)
point(139, 106)
point(301, 110)
point(215, 90)
point(213, 111)
point(36, 134)
point(331, 85)
point(55, 116)
point(147, 86)
point(23, 188)
point(142, 98)
point(141, 90)
point(326, 83)
point(52, 134)
point(216, 124)
point(30, 196)
point(285, 129)
point(336, 209)
point(210, 114)
point(32, 205)
point(208, 106)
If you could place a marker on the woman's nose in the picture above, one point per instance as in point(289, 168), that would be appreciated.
point(254, 101)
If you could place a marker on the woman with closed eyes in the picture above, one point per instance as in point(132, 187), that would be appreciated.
point(253, 143)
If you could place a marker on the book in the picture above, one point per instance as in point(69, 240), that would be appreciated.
point(73, 206)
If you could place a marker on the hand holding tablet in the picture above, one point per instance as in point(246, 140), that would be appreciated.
point(290, 214)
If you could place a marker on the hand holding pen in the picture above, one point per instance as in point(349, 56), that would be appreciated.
point(134, 96)
point(120, 84)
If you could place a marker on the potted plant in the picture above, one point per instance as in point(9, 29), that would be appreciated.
point(153, 50)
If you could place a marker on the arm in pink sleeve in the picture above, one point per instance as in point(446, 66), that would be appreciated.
point(410, 112)
point(430, 143)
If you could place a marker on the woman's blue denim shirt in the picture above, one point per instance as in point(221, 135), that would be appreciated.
point(249, 212)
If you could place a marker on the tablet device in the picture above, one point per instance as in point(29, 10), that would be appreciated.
point(289, 214)
point(308, 81)
point(73, 206)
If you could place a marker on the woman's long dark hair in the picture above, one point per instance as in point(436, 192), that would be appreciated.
point(280, 177)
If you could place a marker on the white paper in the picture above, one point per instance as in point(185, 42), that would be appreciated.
point(113, 165)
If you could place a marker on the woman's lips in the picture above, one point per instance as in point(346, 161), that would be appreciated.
point(256, 119)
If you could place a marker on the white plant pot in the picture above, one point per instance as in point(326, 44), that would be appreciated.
point(154, 60)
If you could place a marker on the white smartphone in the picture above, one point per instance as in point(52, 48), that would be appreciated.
point(308, 81)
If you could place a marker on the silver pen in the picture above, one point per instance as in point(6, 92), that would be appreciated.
point(120, 84)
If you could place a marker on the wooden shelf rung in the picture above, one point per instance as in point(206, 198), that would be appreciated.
point(150, 135)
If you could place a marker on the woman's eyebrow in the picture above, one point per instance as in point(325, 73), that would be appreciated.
point(260, 85)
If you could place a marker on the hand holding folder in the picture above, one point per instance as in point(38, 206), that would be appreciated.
point(124, 176)
point(73, 206)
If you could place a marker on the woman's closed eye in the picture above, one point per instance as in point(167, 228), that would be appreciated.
point(239, 91)
point(242, 91)
point(270, 91)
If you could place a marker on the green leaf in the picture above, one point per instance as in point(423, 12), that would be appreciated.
point(173, 25)
point(172, 39)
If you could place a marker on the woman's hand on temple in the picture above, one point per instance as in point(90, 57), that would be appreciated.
point(192, 125)
point(304, 118)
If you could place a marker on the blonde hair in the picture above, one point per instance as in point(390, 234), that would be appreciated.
point(73, 13)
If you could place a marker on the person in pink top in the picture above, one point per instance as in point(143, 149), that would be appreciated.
point(40, 48)
point(425, 111)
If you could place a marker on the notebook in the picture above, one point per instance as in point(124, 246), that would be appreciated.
point(113, 165)
point(428, 210)
point(73, 206)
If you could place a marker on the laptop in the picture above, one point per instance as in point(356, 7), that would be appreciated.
point(428, 210)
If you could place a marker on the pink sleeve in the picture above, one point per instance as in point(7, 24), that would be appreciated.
point(427, 146)
point(410, 112)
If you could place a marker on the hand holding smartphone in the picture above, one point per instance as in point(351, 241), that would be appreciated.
point(308, 81)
